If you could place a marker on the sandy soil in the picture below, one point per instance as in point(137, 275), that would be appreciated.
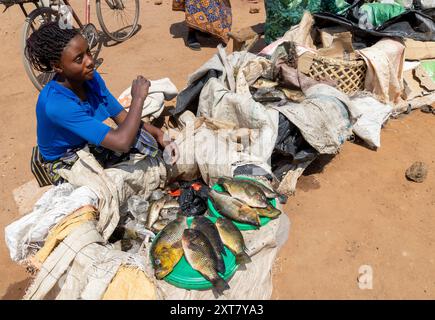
point(357, 209)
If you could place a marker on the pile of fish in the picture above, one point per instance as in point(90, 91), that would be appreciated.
point(161, 212)
point(202, 245)
point(244, 201)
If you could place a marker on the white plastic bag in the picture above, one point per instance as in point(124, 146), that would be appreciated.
point(371, 115)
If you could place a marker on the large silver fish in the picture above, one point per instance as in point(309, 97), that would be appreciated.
point(249, 193)
point(268, 192)
point(234, 208)
point(154, 212)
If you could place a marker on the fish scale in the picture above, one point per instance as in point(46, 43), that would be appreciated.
point(234, 208)
point(208, 228)
point(201, 256)
point(167, 249)
point(249, 193)
point(233, 239)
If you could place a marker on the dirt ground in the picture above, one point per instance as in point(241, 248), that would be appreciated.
point(355, 209)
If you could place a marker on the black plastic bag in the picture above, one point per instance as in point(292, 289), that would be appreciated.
point(193, 199)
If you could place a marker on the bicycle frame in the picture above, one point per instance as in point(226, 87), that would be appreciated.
point(112, 3)
point(76, 17)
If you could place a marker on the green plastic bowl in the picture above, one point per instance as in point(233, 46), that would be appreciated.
point(185, 277)
point(241, 226)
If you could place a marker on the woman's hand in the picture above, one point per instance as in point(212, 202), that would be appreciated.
point(170, 152)
point(139, 88)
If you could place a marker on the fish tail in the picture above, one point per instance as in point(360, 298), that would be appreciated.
point(242, 258)
point(220, 284)
point(282, 198)
point(258, 222)
point(221, 181)
point(272, 214)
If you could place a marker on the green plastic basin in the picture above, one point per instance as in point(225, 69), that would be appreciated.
point(185, 277)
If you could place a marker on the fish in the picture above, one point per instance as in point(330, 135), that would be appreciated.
point(234, 208)
point(153, 214)
point(173, 203)
point(201, 256)
point(169, 213)
point(269, 212)
point(268, 192)
point(160, 224)
point(264, 83)
point(209, 230)
point(249, 193)
point(233, 239)
point(167, 249)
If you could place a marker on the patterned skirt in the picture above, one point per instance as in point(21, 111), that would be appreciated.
point(210, 16)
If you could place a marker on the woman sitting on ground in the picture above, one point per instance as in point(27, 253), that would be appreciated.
point(72, 107)
point(213, 17)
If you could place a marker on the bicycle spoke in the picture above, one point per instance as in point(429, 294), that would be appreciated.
point(119, 22)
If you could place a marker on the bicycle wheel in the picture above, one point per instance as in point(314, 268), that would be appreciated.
point(118, 18)
point(33, 21)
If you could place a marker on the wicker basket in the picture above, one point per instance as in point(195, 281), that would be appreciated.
point(349, 75)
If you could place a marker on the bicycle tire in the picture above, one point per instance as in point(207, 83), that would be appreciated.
point(41, 79)
point(114, 35)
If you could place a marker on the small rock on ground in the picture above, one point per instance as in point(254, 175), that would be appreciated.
point(417, 172)
point(254, 10)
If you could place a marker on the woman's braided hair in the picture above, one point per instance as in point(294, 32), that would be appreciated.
point(46, 44)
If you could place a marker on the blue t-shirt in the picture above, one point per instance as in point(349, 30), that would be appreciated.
point(65, 122)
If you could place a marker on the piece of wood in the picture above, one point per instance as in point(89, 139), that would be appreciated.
point(245, 38)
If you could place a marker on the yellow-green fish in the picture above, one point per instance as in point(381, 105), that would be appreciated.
point(233, 239)
point(167, 248)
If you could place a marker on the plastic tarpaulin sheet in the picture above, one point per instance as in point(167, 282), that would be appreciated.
point(417, 25)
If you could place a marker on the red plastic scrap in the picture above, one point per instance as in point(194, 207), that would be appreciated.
point(175, 193)
point(196, 186)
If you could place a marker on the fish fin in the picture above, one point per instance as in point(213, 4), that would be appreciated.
point(221, 266)
point(242, 267)
point(258, 220)
point(222, 251)
point(242, 258)
point(220, 285)
point(272, 213)
point(244, 208)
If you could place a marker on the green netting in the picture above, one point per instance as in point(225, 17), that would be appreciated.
point(282, 14)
